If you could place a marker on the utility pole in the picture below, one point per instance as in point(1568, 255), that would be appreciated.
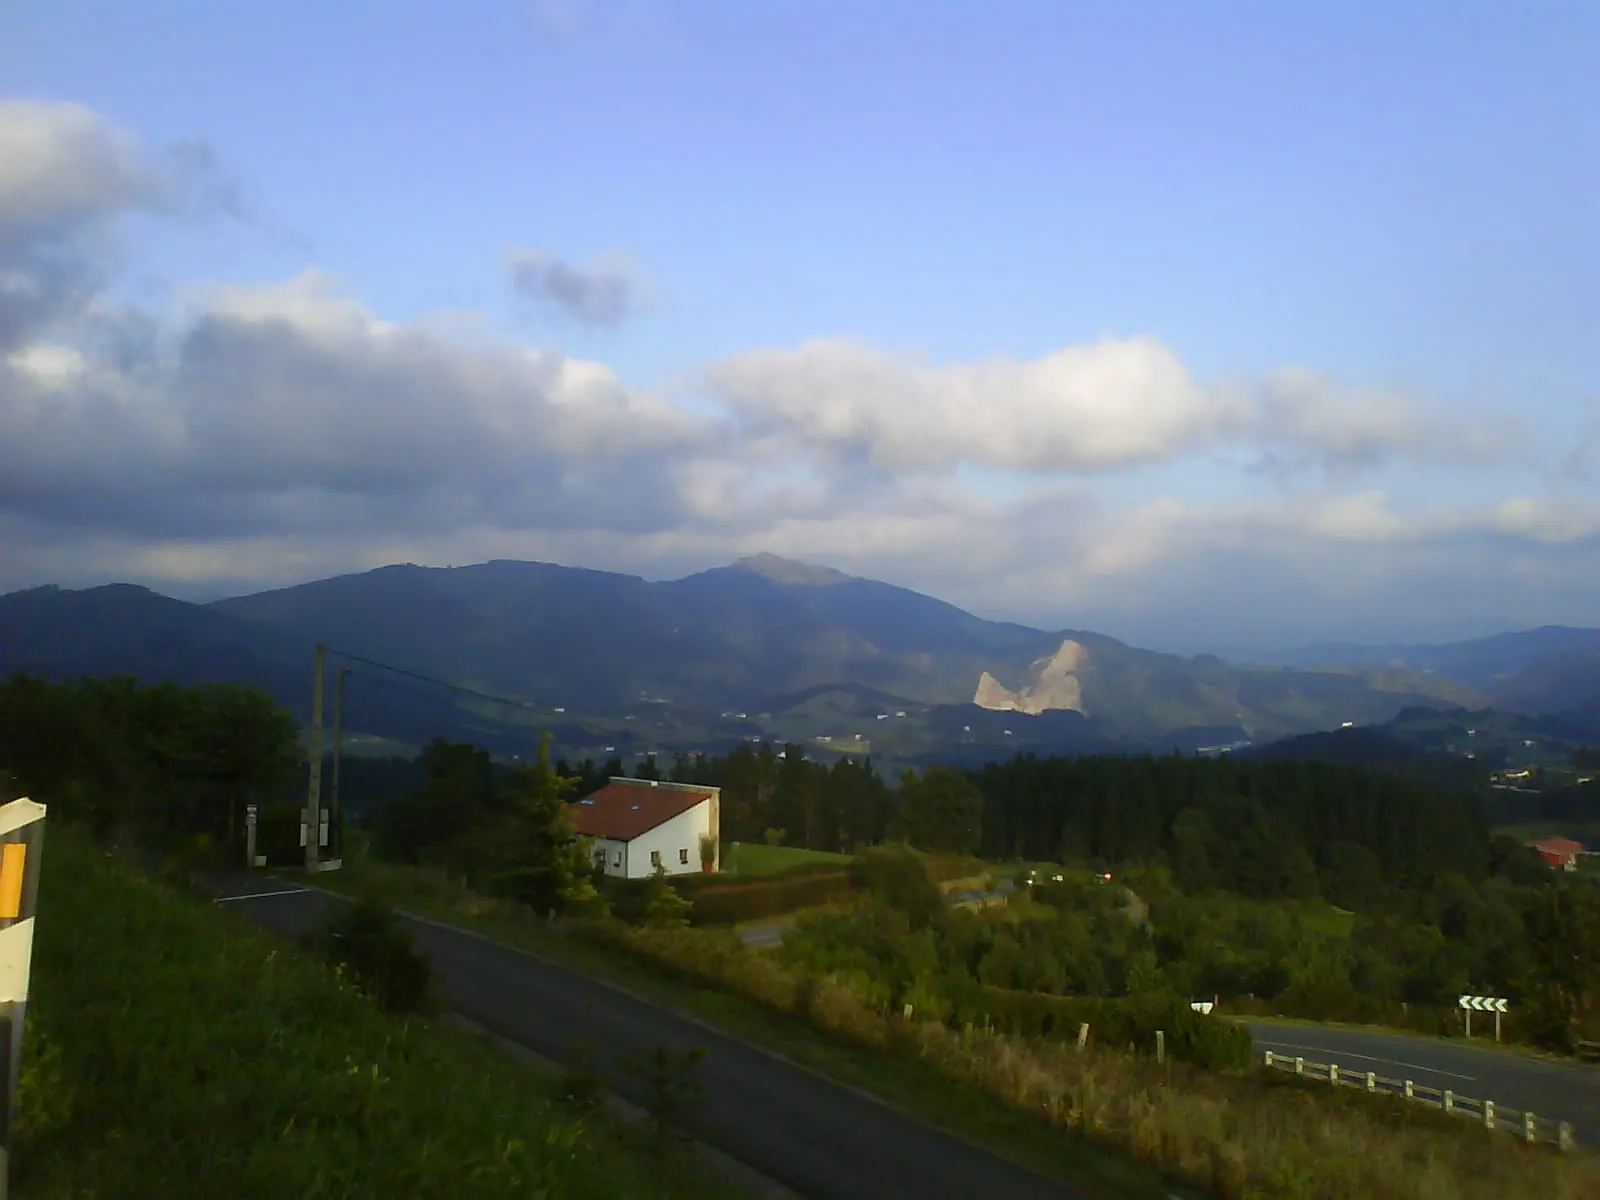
point(335, 830)
point(313, 813)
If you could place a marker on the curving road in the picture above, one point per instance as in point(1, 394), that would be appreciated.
point(814, 1136)
point(1559, 1090)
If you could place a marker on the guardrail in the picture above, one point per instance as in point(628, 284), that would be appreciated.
point(1529, 1126)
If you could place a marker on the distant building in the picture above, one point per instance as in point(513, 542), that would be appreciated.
point(639, 824)
point(1559, 854)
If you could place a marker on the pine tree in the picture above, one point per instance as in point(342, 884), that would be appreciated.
point(532, 852)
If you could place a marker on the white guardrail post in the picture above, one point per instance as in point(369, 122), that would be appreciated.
point(1527, 1124)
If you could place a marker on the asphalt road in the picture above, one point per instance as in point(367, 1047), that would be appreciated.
point(1561, 1091)
point(816, 1137)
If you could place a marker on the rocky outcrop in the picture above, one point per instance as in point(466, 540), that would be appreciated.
point(1052, 683)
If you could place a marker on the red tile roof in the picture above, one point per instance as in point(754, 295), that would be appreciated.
point(1557, 845)
point(626, 808)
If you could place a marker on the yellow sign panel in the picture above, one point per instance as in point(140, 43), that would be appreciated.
point(13, 857)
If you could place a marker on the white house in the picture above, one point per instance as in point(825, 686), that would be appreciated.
point(638, 824)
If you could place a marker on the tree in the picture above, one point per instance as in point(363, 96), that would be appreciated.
point(664, 908)
point(1352, 877)
point(1190, 854)
point(942, 811)
point(530, 852)
point(1563, 984)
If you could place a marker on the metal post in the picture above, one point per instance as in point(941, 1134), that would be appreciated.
point(1333, 1072)
point(1083, 1035)
point(1467, 1012)
point(1530, 1127)
point(1497, 1024)
point(1269, 1058)
point(1372, 1081)
point(335, 829)
point(1299, 1066)
point(1564, 1135)
point(1411, 1090)
point(1449, 1101)
point(1161, 1045)
point(1488, 1114)
point(249, 836)
point(313, 813)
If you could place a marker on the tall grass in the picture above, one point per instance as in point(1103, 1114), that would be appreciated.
point(173, 1049)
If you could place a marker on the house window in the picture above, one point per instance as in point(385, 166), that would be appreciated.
point(600, 857)
point(617, 861)
point(655, 858)
point(683, 857)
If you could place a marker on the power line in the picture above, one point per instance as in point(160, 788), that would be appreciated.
point(454, 687)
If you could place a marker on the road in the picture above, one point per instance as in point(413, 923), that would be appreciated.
point(814, 1136)
point(1561, 1091)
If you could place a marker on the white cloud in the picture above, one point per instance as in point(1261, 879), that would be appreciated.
point(65, 165)
point(294, 391)
point(1090, 407)
point(1110, 404)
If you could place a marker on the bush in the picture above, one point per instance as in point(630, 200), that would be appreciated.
point(901, 877)
point(367, 942)
point(1117, 1024)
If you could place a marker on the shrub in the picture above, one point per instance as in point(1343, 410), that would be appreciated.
point(365, 941)
point(901, 877)
point(1117, 1024)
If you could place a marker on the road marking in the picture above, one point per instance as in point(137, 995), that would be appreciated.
point(262, 895)
point(1394, 1062)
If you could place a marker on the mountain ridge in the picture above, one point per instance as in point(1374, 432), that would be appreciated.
point(726, 641)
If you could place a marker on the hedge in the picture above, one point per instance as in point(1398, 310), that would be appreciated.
point(1116, 1023)
point(772, 895)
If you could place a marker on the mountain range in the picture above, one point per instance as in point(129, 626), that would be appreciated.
point(765, 647)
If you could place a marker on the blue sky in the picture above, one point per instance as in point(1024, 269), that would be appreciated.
point(1396, 199)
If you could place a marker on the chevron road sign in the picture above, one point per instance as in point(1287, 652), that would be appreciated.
point(1472, 1004)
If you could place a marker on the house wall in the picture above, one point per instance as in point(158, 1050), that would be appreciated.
point(681, 833)
point(616, 855)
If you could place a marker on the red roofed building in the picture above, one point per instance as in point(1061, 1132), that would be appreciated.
point(640, 824)
point(1559, 854)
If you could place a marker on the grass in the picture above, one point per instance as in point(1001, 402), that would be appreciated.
point(172, 1047)
point(753, 858)
point(1127, 1122)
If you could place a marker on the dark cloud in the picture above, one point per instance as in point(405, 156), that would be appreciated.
point(605, 291)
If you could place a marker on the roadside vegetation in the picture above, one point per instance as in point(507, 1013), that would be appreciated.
point(1239, 1132)
point(1303, 889)
point(171, 1045)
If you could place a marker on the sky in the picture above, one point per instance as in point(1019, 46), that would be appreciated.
point(1206, 325)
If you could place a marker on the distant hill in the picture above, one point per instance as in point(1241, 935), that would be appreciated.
point(614, 662)
point(1453, 747)
point(1547, 670)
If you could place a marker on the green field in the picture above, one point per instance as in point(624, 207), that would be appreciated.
point(754, 858)
point(172, 1048)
